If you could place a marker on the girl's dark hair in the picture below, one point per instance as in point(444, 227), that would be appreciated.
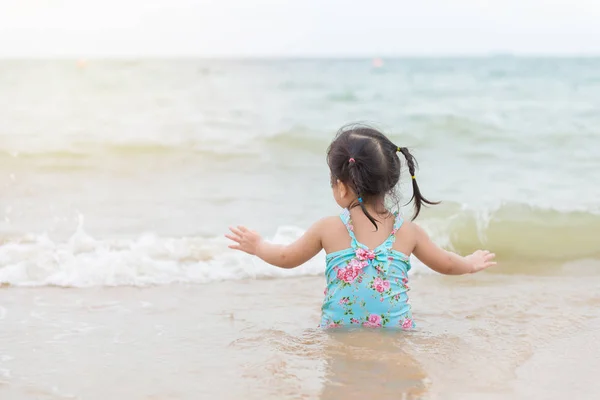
point(367, 161)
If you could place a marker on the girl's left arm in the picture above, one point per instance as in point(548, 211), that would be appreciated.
point(282, 256)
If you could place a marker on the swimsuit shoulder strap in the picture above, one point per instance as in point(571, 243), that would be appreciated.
point(345, 217)
point(398, 221)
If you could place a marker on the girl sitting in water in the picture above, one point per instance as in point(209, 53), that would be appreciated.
point(367, 246)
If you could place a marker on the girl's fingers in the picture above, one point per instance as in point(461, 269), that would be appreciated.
point(242, 228)
point(234, 247)
point(234, 238)
point(236, 231)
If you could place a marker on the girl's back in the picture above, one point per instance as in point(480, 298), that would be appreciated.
point(366, 279)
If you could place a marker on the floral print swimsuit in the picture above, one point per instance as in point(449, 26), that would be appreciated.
point(367, 287)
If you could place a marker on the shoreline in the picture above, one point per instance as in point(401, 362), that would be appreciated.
point(259, 339)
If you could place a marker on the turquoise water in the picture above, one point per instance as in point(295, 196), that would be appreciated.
point(158, 157)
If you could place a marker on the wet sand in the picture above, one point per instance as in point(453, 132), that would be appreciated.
point(488, 336)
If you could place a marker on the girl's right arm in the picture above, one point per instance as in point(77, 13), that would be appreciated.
point(279, 255)
point(446, 262)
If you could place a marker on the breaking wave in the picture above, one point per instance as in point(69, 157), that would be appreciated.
point(513, 232)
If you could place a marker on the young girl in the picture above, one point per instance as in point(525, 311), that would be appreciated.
point(367, 246)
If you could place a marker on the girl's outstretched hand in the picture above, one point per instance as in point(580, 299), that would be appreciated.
point(481, 260)
point(246, 239)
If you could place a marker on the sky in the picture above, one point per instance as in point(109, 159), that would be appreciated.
point(329, 28)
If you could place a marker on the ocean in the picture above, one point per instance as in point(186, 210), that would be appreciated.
point(119, 179)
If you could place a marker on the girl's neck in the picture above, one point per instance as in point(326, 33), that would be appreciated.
point(375, 207)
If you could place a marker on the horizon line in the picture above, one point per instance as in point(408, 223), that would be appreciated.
point(242, 57)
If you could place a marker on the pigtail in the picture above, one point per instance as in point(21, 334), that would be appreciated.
point(418, 198)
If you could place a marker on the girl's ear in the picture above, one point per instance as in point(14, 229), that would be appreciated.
point(342, 188)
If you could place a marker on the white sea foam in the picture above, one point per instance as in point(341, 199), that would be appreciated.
point(513, 232)
point(83, 261)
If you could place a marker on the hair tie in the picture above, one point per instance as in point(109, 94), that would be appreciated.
point(360, 199)
point(351, 160)
point(414, 177)
point(399, 149)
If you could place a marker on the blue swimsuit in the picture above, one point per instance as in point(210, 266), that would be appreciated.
point(367, 287)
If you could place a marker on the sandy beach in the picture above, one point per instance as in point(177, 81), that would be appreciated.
point(120, 178)
point(257, 340)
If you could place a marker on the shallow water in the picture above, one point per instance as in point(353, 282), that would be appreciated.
point(484, 336)
point(119, 179)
